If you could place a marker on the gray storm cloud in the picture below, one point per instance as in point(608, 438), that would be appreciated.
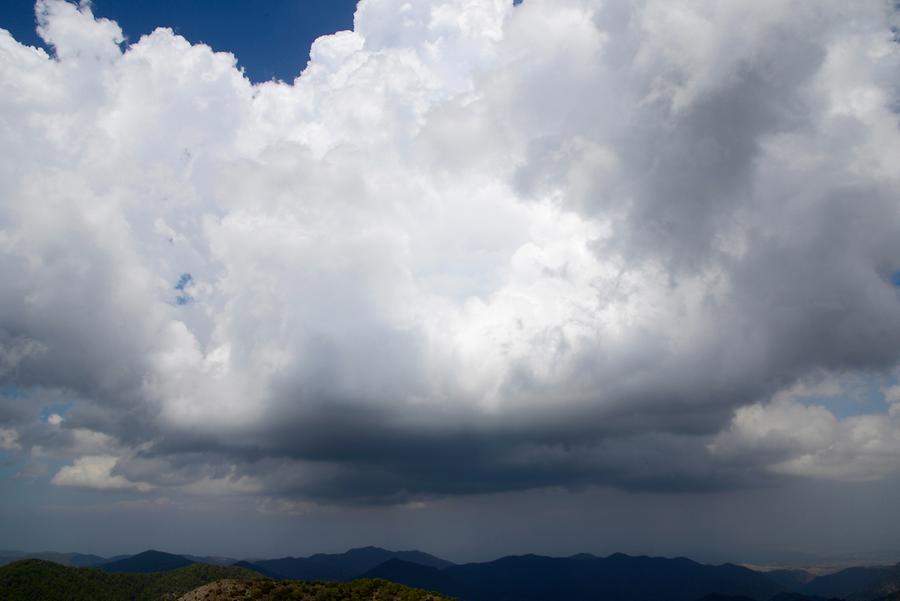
point(472, 248)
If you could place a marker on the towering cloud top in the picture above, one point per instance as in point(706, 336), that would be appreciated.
point(472, 247)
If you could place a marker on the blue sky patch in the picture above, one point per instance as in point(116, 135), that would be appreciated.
point(184, 282)
point(861, 395)
point(270, 39)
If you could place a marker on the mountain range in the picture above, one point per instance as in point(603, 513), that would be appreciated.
point(339, 566)
point(77, 560)
point(858, 584)
point(579, 577)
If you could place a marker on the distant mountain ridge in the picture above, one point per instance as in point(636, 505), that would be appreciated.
point(76, 560)
point(529, 577)
point(213, 560)
point(885, 586)
point(582, 578)
point(791, 579)
point(147, 562)
point(87, 560)
point(321, 566)
point(340, 566)
point(854, 584)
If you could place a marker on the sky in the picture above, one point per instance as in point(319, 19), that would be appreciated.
point(271, 39)
point(458, 275)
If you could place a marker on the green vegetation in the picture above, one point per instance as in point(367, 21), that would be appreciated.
point(38, 580)
point(34, 579)
point(295, 590)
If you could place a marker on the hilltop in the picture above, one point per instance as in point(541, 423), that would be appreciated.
point(268, 590)
point(34, 579)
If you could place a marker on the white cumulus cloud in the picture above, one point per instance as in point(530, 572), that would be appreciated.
point(562, 243)
point(96, 471)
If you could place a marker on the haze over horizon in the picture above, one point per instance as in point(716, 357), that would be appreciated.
point(473, 277)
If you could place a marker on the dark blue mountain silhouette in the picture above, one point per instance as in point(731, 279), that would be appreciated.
point(148, 561)
point(792, 580)
point(581, 578)
point(850, 583)
point(340, 566)
point(258, 569)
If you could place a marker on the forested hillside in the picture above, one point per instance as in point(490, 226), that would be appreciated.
point(38, 580)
